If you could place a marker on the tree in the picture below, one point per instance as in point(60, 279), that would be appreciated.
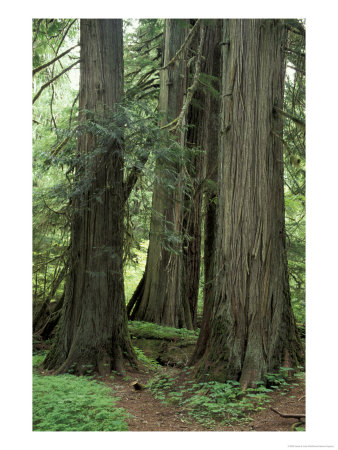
point(54, 145)
point(192, 121)
point(294, 165)
point(158, 297)
point(211, 122)
point(252, 328)
point(93, 326)
point(202, 141)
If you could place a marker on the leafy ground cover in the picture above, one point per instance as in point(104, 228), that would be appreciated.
point(210, 402)
point(170, 399)
point(149, 330)
point(69, 403)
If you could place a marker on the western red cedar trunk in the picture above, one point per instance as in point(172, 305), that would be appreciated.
point(252, 328)
point(160, 299)
point(202, 139)
point(93, 327)
point(211, 107)
point(185, 282)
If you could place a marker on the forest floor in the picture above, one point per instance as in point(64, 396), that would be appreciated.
point(150, 414)
point(170, 398)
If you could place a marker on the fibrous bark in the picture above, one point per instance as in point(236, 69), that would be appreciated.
point(93, 327)
point(159, 299)
point(252, 328)
point(202, 135)
point(194, 112)
point(210, 144)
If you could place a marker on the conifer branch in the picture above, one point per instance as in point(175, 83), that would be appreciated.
point(148, 41)
point(44, 86)
point(185, 44)
point(295, 119)
point(37, 30)
point(300, 30)
point(135, 174)
point(288, 49)
point(296, 69)
point(44, 66)
point(65, 34)
point(133, 177)
point(193, 87)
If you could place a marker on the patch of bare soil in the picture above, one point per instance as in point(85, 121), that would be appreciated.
point(150, 414)
point(146, 412)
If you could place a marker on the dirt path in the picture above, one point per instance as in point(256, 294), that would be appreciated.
point(150, 414)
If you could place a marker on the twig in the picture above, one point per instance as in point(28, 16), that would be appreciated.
point(38, 69)
point(192, 88)
point(65, 34)
point(71, 111)
point(43, 87)
point(301, 32)
point(37, 29)
point(297, 69)
point(288, 49)
point(185, 43)
point(295, 119)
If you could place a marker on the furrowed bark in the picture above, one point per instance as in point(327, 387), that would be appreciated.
point(161, 294)
point(253, 329)
point(93, 327)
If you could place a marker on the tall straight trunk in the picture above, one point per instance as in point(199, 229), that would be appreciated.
point(93, 327)
point(210, 144)
point(252, 329)
point(202, 139)
point(186, 280)
point(160, 299)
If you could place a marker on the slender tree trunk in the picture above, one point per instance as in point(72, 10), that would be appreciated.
point(202, 139)
point(159, 299)
point(211, 145)
point(93, 327)
point(44, 311)
point(252, 330)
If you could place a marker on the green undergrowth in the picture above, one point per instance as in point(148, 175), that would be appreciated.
point(210, 402)
point(134, 269)
point(147, 330)
point(70, 403)
point(149, 364)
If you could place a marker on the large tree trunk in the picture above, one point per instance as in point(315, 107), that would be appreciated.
point(93, 327)
point(253, 330)
point(159, 298)
point(185, 283)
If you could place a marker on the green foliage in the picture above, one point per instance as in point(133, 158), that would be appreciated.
point(149, 330)
point(69, 403)
point(54, 145)
point(208, 81)
point(149, 363)
point(134, 268)
point(294, 167)
point(38, 359)
point(211, 402)
point(142, 56)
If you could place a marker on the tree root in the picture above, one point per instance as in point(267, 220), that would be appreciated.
point(300, 417)
point(295, 425)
